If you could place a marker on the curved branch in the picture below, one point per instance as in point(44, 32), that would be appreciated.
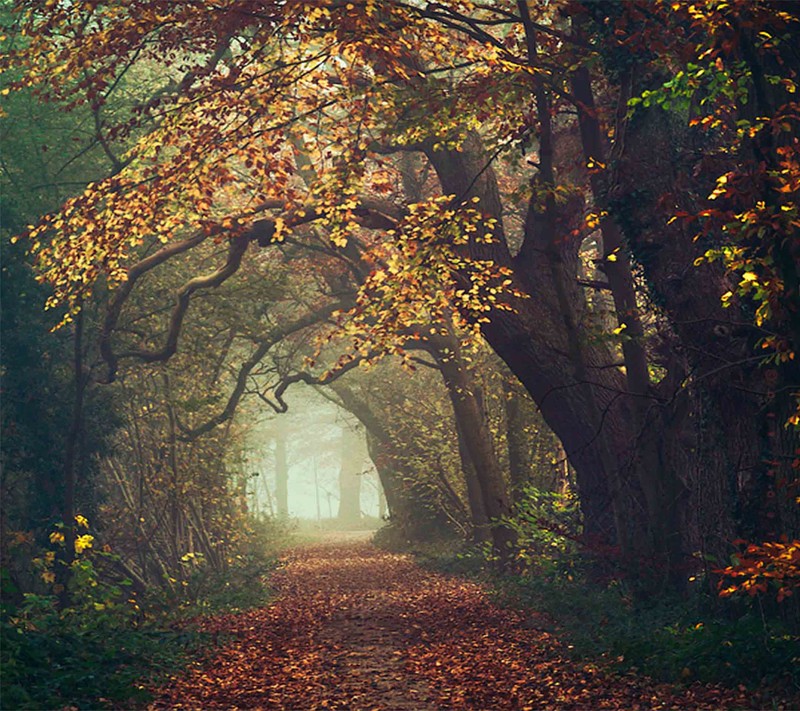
point(114, 309)
point(308, 379)
point(264, 345)
point(236, 250)
point(124, 290)
point(371, 213)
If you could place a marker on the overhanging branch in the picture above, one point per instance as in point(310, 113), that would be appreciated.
point(275, 336)
point(236, 250)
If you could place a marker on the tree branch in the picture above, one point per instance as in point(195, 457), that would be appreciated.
point(275, 336)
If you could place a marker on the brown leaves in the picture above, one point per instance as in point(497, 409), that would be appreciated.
point(356, 628)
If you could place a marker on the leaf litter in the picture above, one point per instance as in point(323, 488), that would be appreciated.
point(361, 629)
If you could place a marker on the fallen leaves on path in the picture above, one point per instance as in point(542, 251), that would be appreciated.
point(360, 629)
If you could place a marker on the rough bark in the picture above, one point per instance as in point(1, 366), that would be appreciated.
point(656, 474)
point(725, 383)
point(532, 338)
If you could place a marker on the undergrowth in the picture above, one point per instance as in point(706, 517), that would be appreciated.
point(110, 645)
point(58, 666)
point(671, 638)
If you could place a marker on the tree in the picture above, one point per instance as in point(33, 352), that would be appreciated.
point(350, 477)
point(53, 426)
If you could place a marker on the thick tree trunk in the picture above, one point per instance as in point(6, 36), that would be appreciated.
point(723, 392)
point(656, 475)
point(532, 339)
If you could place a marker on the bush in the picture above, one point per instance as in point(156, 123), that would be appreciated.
point(547, 527)
point(54, 664)
point(90, 655)
point(95, 652)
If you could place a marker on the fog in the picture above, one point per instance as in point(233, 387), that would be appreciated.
point(320, 438)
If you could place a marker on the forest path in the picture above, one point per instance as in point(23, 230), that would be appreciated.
point(360, 629)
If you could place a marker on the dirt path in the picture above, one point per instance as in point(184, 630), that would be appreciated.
point(359, 629)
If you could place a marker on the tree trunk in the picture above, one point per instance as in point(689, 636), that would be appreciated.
point(516, 440)
point(722, 396)
point(657, 476)
point(480, 521)
point(532, 340)
point(382, 506)
point(350, 477)
point(281, 476)
point(71, 456)
point(471, 422)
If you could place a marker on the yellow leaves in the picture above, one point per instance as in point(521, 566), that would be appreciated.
point(83, 543)
point(319, 13)
point(721, 188)
point(280, 230)
point(593, 219)
point(339, 238)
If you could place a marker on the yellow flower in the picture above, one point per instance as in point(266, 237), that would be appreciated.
point(49, 557)
point(81, 521)
point(49, 577)
point(83, 542)
point(56, 537)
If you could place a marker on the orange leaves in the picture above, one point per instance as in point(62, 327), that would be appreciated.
point(356, 628)
point(773, 564)
point(219, 123)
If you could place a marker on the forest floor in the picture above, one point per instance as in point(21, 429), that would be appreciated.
point(356, 628)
